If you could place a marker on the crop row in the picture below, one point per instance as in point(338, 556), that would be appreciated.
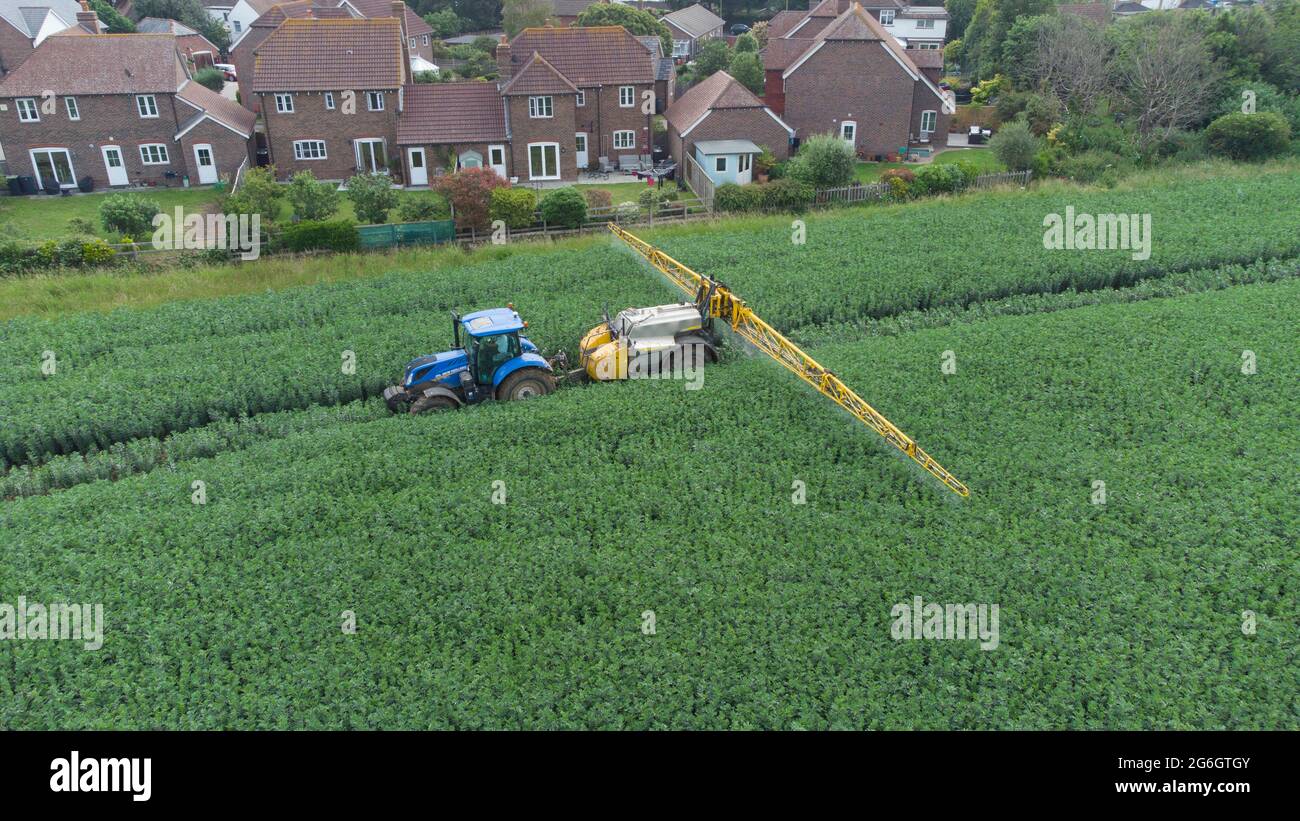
point(620, 500)
point(867, 264)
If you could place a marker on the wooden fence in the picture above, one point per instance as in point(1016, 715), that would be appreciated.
point(698, 181)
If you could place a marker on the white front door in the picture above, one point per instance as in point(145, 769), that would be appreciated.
point(419, 172)
point(206, 165)
point(580, 150)
point(497, 159)
point(113, 165)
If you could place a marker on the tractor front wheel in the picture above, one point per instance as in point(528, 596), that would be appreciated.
point(526, 384)
point(428, 404)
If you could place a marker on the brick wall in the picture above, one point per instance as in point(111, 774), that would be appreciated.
point(438, 156)
point(752, 124)
point(105, 120)
point(924, 100)
point(869, 87)
point(774, 91)
point(229, 149)
point(557, 129)
point(15, 47)
point(310, 120)
point(243, 59)
point(601, 116)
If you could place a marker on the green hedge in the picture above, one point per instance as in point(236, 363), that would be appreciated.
point(515, 206)
point(319, 235)
point(51, 254)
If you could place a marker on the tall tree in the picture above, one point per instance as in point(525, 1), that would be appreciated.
point(517, 15)
point(634, 20)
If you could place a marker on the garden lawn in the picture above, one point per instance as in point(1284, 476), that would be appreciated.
point(43, 217)
point(981, 158)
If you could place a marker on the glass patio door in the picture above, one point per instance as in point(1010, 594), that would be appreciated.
point(53, 165)
point(371, 158)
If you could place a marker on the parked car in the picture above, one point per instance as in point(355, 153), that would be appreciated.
point(227, 71)
point(738, 29)
point(977, 135)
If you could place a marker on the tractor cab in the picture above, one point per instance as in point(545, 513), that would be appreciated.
point(490, 360)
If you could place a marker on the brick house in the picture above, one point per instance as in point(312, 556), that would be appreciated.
point(24, 25)
point(690, 27)
point(419, 34)
point(445, 127)
point(854, 80)
point(914, 27)
point(567, 11)
point(243, 54)
point(721, 108)
point(197, 49)
point(588, 93)
point(331, 92)
point(124, 112)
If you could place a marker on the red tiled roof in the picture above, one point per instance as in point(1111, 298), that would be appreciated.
point(926, 58)
point(326, 55)
point(1098, 13)
point(588, 56)
point(781, 53)
point(782, 22)
point(717, 91)
point(98, 64)
point(451, 113)
point(538, 77)
point(219, 108)
point(374, 9)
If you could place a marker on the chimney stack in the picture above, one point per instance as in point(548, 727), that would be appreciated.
point(87, 19)
point(503, 61)
point(399, 11)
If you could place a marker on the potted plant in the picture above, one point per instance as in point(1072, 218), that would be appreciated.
point(763, 164)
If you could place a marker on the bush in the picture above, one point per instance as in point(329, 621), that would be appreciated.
point(129, 214)
point(423, 208)
point(1015, 146)
point(1249, 136)
point(823, 161)
point(210, 78)
point(627, 212)
point(74, 252)
point(515, 206)
point(258, 193)
point(312, 200)
point(904, 174)
point(564, 207)
point(469, 192)
point(787, 195)
point(735, 199)
point(320, 235)
point(372, 197)
point(1092, 166)
point(938, 179)
point(598, 198)
point(899, 189)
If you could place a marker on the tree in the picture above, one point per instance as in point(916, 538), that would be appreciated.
point(1015, 146)
point(109, 16)
point(372, 196)
point(823, 161)
point(1167, 80)
point(564, 207)
point(444, 23)
point(130, 215)
point(311, 199)
point(759, 31)
point(746, 68)
point(712, 57)
point(747, 43)
point(469, 192)
point(189, 12)
point(1020, 48)
point(1073, 60)
point(982, 40)
point(959, 16)
point(634, 20)
point(258, 193)
point(517, 15)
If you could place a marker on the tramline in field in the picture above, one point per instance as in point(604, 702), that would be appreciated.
point(496, 362)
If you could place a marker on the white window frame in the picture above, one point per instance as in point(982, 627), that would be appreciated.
point(424, 40)
point(302, 154)
point(681, 48)
point(72, 171)
point(238, 25)
point(283, 102)
point(853, 139)
point(629, 145)
point(160, 150)
point(28, 111)
point(883, 20)
point(543, 146)
point(141, 108)
point(329, 101)
point(70, 106)
point(745, 162)
point(370, 141)
point(581, 99)
point(537, 104)
point(934, 121)
point(925, 24)
point(627, 93)
point(373, 97)
point(412, 42)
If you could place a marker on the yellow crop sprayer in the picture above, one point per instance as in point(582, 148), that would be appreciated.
point(685, 329)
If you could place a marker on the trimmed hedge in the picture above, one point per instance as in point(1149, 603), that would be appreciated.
point(564, 207)
point(319, 235)
point(515, 206)
point(69, 253)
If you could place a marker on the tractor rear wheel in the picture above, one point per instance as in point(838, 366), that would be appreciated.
point(526, 384)
point(427, 404)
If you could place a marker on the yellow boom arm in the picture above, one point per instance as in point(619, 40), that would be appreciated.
point(723, 304)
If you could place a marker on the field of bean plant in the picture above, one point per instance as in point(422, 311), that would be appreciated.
point(1129, 430)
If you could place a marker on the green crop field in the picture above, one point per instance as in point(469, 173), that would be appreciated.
point(1128, 429)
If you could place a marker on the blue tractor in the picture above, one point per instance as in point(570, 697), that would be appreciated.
point(490, 360)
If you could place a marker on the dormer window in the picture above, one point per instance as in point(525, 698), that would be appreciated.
point(886, 17)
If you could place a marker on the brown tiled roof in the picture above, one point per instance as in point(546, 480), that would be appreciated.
point(854, 24)
point(221, 109)
point(1098, 13)
point(327, 55)
point(374, 9)
point(587, 56)
point(782, 22)
point(826, 8)
point(280, 12)
point(717, 91)
point(571, 8)
point(98, 64)
point(926, 57)
point(538, 77)
point(451, 113)
point(781, 53)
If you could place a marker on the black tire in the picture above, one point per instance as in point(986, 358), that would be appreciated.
point(526, 383)
point(428, 404)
